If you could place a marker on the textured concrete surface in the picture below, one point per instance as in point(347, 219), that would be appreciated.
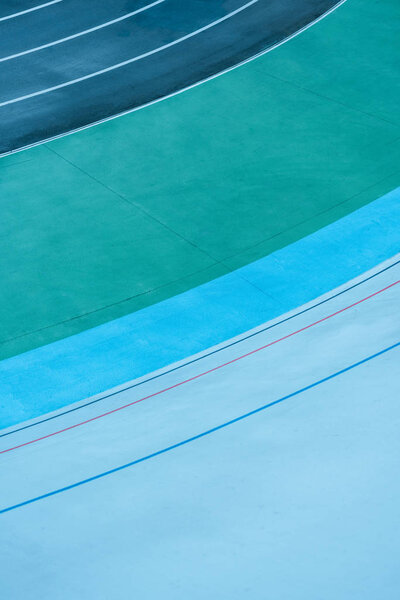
point(113, 219)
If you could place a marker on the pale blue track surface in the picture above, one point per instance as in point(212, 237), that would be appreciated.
point(56, 375)
point(299, 501)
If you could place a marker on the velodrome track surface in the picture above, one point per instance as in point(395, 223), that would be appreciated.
point(264, 462)
point(268, 476)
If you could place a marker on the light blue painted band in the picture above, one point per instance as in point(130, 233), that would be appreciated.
point(72, 369)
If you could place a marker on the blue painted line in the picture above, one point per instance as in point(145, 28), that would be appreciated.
point(51, 377)
point(195, 360)
point(200, 435)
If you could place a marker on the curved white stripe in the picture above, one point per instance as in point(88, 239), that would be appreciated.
point(28, 10)
point(130, 60)
point(75, 35)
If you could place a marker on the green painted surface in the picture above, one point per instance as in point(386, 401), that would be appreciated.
point(128, 213)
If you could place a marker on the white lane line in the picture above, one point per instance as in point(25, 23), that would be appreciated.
point(178, 92)
point(131, 60)
point(75, 35)
point(28, 10)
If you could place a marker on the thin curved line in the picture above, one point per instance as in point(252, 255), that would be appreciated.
point(130, 60)
point(199, 375)
point(194, 360)
point(28, 10)
point(85, 32)
point(199, 435)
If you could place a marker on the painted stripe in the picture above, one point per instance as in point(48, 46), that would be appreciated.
point(85, 32)
point(184, 89)
point(28, 10)
point(203, 356)
point(203, 434)
point(130, 60)
point(195, 377)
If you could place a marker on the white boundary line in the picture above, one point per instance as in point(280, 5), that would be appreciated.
point(86, 31)
point(185, 89)
point(130, 60)
point(28, 10)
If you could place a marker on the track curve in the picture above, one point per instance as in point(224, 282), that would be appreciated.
point(66, 70)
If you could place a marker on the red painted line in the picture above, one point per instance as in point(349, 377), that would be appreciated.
point(230, 362)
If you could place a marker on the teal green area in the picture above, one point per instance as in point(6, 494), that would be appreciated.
point(120, 216)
